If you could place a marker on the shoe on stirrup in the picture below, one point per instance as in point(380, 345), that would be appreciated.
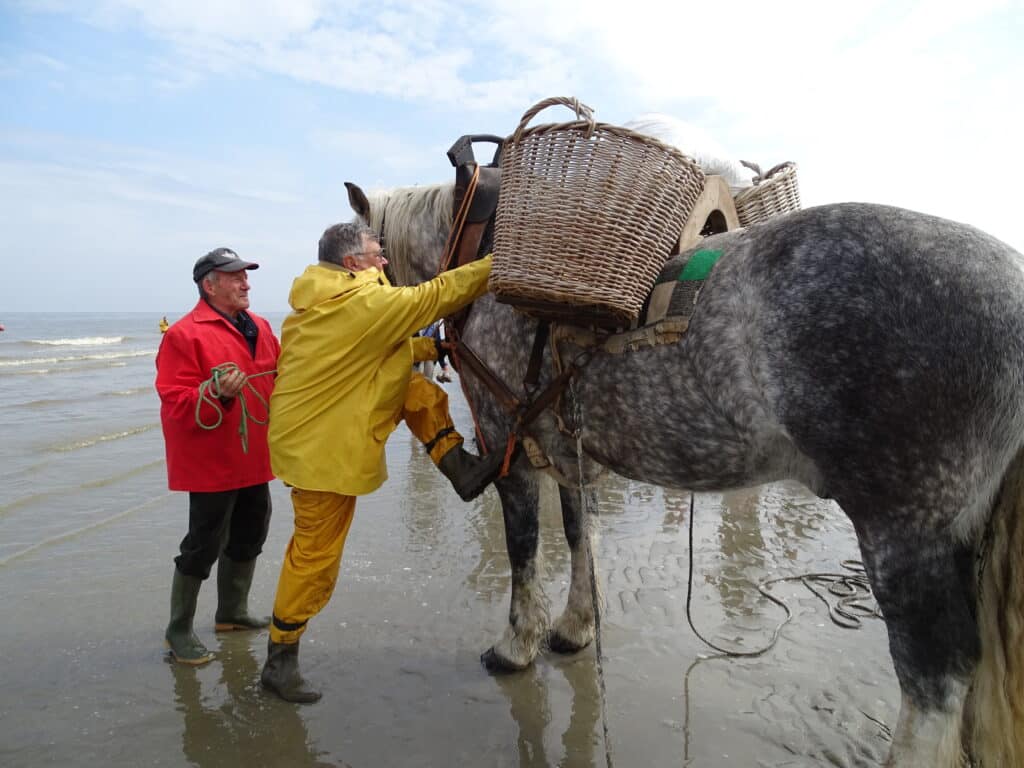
point(470, 474)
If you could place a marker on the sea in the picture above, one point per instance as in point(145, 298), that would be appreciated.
point(88, 532)
point(80, 420)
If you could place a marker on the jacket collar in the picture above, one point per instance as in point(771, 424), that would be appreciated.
point(202, 312)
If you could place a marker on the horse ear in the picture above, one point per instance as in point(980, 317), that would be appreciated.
point(358, 200)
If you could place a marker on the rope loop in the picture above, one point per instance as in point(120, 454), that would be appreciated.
point(210, 393)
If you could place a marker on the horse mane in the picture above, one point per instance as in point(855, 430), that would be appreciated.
point(411, 216)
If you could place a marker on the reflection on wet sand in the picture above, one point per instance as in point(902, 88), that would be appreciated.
point(743, 551)
point(796, 515)
point(535, 713)
point(489, 577)
point(228, 722)
point(426, 492)
point(677, 510)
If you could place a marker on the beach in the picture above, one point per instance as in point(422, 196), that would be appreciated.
point(88, 532)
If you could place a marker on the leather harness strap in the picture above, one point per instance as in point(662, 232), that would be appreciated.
point(455, 234)
point(540, 340)
point(469, 226)
point(464, 354)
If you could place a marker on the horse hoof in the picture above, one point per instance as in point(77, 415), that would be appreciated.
point(560, 644)
point(496, 665)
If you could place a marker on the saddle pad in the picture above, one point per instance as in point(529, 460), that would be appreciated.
point(677, 287)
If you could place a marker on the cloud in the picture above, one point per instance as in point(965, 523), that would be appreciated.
point(911, 103)
point(425, 52)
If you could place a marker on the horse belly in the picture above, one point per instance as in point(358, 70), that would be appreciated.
point(648, 416)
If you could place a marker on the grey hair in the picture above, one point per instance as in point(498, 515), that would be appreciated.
point(341, 240)
point(213, 276)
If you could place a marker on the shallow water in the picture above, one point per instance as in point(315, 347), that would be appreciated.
point(88, 532)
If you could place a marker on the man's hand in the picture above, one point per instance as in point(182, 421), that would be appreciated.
point(442, 353)
point(231, 383)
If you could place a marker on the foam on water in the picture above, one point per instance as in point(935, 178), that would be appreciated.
point(75, 358)
point(91, 441)
point(83, 341)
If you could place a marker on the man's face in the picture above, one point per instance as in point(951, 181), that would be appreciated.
point(370, 255)
point(229, 291)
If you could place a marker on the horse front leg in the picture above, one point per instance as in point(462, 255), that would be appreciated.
point(528, 614)
point(924, 587)
point(574, 629)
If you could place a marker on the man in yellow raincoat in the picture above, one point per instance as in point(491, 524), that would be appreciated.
point(344, 381)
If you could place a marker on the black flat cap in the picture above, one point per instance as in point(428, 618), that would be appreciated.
point(222, 260)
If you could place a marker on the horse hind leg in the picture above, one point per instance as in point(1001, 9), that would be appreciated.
point(528, 614)
point(574, 629)
point(994, 715)
point(924, 587)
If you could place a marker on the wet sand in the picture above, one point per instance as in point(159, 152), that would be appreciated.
point(424, 589)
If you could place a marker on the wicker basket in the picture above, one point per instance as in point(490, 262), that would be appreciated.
point(773, 193)
point(587, 216)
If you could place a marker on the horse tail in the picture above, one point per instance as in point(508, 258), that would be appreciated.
point(995, 708)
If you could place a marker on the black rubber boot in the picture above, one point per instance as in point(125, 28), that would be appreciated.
point(281, 674)
point(470, 474)
point(233, 582)
point(185, 646)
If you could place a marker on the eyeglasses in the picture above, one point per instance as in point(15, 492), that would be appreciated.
point(379, 254)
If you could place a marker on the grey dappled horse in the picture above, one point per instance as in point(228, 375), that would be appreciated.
point(874, 354)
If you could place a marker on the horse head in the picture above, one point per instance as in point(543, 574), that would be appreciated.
point(413, 224)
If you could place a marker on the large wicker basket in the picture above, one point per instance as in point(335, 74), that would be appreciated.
point(587, 216)
point(773, 193)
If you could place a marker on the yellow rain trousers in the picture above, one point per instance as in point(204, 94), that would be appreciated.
point(344, 382)
point(312, 560)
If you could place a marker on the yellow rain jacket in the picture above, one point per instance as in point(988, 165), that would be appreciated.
point(347, 351)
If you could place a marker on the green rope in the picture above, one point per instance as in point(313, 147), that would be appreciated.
point(209, 392)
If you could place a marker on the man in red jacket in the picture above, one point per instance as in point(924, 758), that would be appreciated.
point(203, 405)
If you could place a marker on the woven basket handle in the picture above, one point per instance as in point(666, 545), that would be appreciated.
point(755, 168)
point(583, 112)
point(759, 177)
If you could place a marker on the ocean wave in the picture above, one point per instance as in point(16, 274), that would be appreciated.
point(41, 404)
point(68, 491)
point(76, 369)
point(91, 441)
point(52, 402)
point(30, 499)
point(128, 392)
point(85, 528)
point(105, 481)
point(16, 363)
point(80, 341)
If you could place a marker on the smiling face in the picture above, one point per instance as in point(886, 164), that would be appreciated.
point(228, 292)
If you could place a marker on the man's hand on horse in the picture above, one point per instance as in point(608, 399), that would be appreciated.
point(442, 352)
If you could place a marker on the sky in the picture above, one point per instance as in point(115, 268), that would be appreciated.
point(136, 136)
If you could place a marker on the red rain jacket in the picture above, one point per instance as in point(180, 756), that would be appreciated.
point(212, 460)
